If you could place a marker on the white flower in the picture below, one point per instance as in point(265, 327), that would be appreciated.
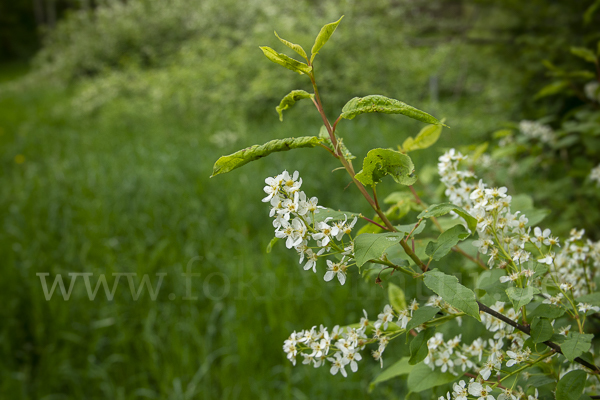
point(325, 232)
point(403, 318)
point(477, 389)
point(352, 358)
point(490, 365)
point(459, 391)
point(552, 299)
point(291, 184)
point(584, 307)
point(339, 363)
point(378, 357)
point(540, 237)
point(334, 269)
point(510, 278)
point(595, 174)
point(444, 361)
point(507, 395)
point(272, 188)
point(564, 330)
point(385, 317)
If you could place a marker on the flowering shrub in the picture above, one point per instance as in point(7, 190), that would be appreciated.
point(561, 148)
point(530, 305)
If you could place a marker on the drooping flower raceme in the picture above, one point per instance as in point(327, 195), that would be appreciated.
point(296, 221)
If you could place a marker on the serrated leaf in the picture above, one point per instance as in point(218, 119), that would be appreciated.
point(290, 99)
point(400, 367)
point(371, 246)
point(586, 54)
point(541, 330)
point(436, 210)
point(380, 104)
point(422, 378)
point(446, 241)
point(571, 385)
point(421, 315)
point(397, 298)
point(455, 294)
point(426, 138)
point(323, 134)
point(323, 37)
point(576, 344)
point(296, 47)
point(521, 296)
point(285, 61)
point(547, 311)
point(418, 346)
point(271, 244)
point(381, 162)
point(334, 215)
point(242, 157)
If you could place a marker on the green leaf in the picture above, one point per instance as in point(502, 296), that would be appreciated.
point(489, 281)
point(521, 296)
point(418, 346)
point(422, 315)
point(422, 378)
point(271, 244)
point(381, 104)
point(296, 47)
point(283, 60)
point(589, 14)
point(591, 298)
point(547, 311)
point(401, 367)
point(571, 385)
point(576, 344)
point(323, 37)
point(335, 215)
point(323, 134)
point(455, 294)
point(587, 54)
point(397, 298)
point(552, 89)
point(371, 246)
point(229, 163)
point(290, 99)
point(540, 380)
point(426, 138)
point(406, 229)
point(446, 241)
point(541, 330)
point(436, 210)
point(381, 162)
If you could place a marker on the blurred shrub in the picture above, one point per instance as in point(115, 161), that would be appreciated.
point(202, 57)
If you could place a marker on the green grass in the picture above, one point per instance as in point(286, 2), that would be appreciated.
point(128, 190)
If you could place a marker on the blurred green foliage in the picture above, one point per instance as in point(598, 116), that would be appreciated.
point(107, 145)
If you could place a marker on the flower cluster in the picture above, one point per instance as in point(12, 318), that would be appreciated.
point(535, 130)
point(482, 391)
point(453, 356)
point(296, 221)
point(341, 346)
point(595, 174)
point(502, 234)
point(592, 91)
